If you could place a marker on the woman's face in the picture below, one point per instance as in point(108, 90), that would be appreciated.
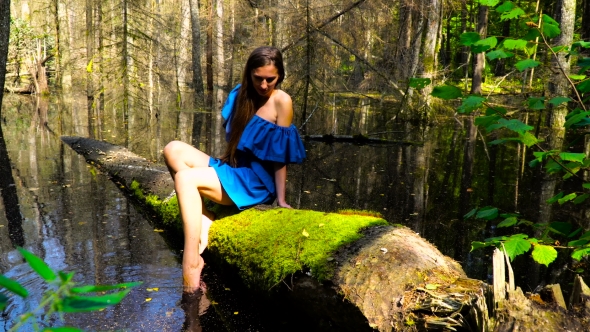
point(265, 79)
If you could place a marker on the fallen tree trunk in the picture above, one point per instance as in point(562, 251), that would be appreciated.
point(352, 267)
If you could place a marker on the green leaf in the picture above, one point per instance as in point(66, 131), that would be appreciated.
point(469, 38)
point(563, 228)
point(576, 78)
point(484, 45)
point(510, 221)
point(570, 156)
point(550, 27)
point(498, 54)
point(485, 121)
point(543, 254)
point(514, 13)
point(526, 64)
point(419, 83)
point(554, 198)
point(470, 214)
point(506, 6)
point(558, 49)
point(104, 288)
point(581, 43)
point(470, 104)
point(13, 286)
point(548, 19)
point(38, 265)
point(577, 243)
point(580, 253)
point(3, 301)
point(528, 139)
point(477, 245)
point(92, 303)
point(496, 110)
point(583, 86)
point(566, 198)
point(516, 246)
point(514, 125)
point(574, 233)
point(559, 100)
point(61, 329)
point(586, 185)
point(487, 213)
point(585, 236)
point(532, 34)
point(65, 277)
point(489, 3)
point(581, 199)
point(446, 92)
point(536, 103)
point(576, 118)
point(514, 44)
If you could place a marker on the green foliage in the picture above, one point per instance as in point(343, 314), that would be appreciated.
point(62, 296)
point(419, 83)
point(469, 38)
point(446, 92)
point(526, 64)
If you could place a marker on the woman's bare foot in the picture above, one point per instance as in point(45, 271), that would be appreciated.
point(205, 225)
point(191, 275)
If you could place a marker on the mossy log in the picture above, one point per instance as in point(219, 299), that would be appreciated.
point(351, 267)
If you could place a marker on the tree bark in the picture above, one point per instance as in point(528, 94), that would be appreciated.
point(431, 44)
point(209, 69)
point(480, 58)
point(222, 89)
point(198, 88)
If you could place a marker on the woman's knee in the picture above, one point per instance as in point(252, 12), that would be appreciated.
point(173, 149)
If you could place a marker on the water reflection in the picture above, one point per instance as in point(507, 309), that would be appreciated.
point(10, 198)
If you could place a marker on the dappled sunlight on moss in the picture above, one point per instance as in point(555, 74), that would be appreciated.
point(167, 209)
point(268, 246)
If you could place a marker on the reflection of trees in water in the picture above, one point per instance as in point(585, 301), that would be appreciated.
point(10, 197)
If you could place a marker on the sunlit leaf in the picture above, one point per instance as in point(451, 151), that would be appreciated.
point(469, 38)
point(514, 44)
point(577, 243)
point(477, 245)
point(489, 3)
point(558, 49)
point(92, 303)
point(543, 254)
point(566, 198)
point(514, 13)
point(528, 139)
point(65, 277)
point(516, 246)
point(38, 265)
point(536, 103)
point(581, 199)
point(526, 64)
point(89, 66)
point(487, 213)
point(555, 198)
point(13, 286)
point(470, 104)
point(563, 228)
point(305, 233)
point(576, 118)
point(506, 6)
point(570, 156)
point(419, 83)
point(432, 286)
point(550, 27)
point(484, 44)
point(514, 125)
point(548, 19)
point(580, 253)
point(576, 78)
point(446, 92)
point(581, 43)
point(510, 221)
point(498, 54)
point(61, 329)
point(103, 288)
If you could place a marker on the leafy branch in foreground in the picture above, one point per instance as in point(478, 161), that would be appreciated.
point(513, 130)
point(62, 296)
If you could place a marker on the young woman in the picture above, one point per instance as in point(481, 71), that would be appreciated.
point(261, 141)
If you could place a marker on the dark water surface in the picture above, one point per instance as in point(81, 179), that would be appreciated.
point(76, 219)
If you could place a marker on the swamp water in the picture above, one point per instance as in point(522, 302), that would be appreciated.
point(76, 219)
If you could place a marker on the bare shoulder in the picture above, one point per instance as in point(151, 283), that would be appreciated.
point(284, 107)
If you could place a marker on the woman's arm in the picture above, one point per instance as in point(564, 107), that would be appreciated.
point(280, 184)
point(284, 107)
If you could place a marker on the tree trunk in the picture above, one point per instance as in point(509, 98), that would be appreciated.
point(57, 54)
point(222, 89)
point(198, 88)
point(480, 58)
point(4, 36)
point(560, 66)
point(209, 69)
point(585, 32)
point(431, 43)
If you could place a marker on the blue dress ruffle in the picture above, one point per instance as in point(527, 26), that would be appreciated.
point(262, 144)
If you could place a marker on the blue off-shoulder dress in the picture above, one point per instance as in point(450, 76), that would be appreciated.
point(262, 144)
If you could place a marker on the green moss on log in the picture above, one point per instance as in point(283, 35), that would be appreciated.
point(268, 246)
point(166, 209)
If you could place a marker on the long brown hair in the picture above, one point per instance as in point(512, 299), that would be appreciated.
point(247, 96)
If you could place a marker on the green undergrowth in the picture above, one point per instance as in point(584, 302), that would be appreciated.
point(268, 246)
point(166, 210)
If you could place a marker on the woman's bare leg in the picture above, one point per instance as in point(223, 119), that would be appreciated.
point(191, 184)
